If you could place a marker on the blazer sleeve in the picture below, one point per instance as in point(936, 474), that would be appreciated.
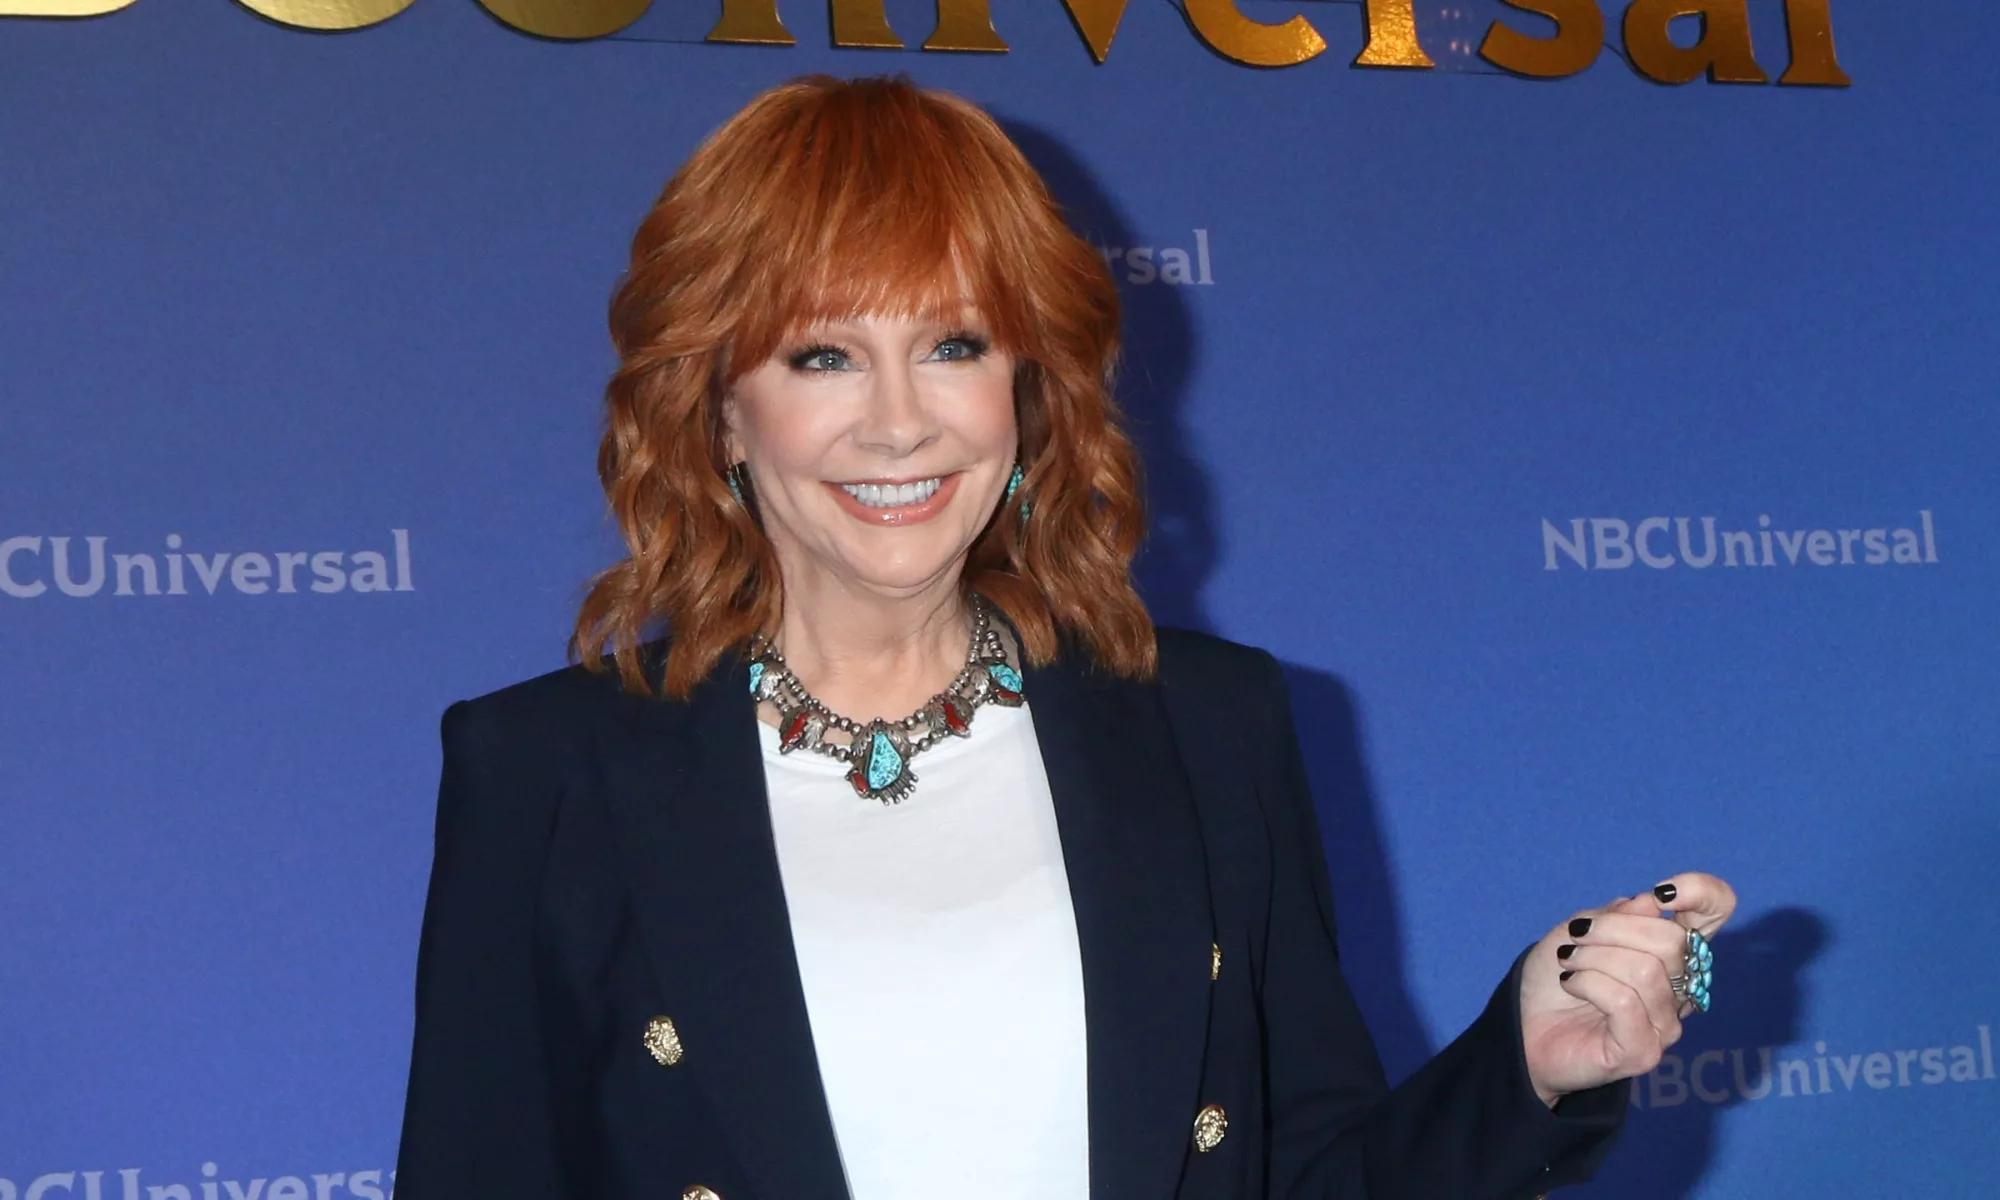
point(1466, 1125)
point(477, 1121)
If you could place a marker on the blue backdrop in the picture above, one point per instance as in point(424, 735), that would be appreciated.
point(301, 338)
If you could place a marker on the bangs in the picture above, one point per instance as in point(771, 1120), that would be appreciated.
point(886, 202)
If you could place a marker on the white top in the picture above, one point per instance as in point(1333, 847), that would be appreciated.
point(939, 955)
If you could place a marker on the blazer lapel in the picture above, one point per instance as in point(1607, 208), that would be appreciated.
point(1138, 886)
point(686, 789)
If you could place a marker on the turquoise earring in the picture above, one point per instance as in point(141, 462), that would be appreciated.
point(733, 477)
point(1014, 485)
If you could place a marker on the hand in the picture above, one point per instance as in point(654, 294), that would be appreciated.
point(1604, 1010)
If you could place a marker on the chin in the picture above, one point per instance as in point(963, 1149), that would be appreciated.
point(903, 577)
point(907, 569)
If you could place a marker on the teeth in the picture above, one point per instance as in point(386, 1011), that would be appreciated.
point(892, 495)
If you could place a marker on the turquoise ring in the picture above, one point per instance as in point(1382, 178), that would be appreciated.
point(1697, 977)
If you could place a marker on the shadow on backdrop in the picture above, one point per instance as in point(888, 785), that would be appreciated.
point(1366, 908)
point(1760, 1002)
point(1159, 359)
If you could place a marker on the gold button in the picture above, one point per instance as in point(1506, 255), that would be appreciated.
point(698, 1192)
point(1215, 962)
point(1209, 1126)
point(663, 1042)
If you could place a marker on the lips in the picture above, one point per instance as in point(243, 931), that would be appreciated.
point(896, 502)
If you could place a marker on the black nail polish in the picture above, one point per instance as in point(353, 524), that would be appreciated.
point(1579, 927)
point(1564, 977)
point(1565, 950)
point(1666, 893)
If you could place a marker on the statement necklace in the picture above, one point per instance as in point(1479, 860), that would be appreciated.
point(878, 753)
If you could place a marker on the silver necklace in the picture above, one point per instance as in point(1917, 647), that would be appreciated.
point(878, 752)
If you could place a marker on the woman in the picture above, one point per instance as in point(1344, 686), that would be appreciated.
point(916, 862)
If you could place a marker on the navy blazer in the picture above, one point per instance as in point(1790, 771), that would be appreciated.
point(603, 859)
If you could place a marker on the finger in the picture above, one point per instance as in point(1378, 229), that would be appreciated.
point(1635, 1044)
point(1619, 904)
point(1697, 901)
point(1664, 940)
point(1645, 904)
point(1640, 971)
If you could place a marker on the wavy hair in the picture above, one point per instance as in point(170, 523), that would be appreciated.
point(827, 199)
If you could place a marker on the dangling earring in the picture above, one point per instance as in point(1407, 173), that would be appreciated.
point(1014, 485)
point(735, 478)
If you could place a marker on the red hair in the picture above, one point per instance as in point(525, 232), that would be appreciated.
point(826, 199)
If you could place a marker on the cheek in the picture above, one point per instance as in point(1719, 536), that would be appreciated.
point(794, 443)
point(784, 429)
point(986, 412)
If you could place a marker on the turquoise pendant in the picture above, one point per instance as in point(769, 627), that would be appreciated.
point(884, 763)
point(882, 771)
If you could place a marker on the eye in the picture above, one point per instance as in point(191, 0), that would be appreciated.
point(961, 347)
point(818, 357)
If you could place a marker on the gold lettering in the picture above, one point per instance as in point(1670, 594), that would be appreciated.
point(1392, 37)
point(1236, 36)
point(1724, 50)
point(965, 25)
point(1097, 21)
point(863, 23)
point(327, 14)
point(1392, 33)
point(568, 20)
point(751, 23)
point(1578, 38)
point(60, 8)
point(1810, 27)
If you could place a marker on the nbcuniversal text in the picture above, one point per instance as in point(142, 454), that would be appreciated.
point(125, 1184)
point(1727, 1076)
point(1614, 543)
point(32, 566)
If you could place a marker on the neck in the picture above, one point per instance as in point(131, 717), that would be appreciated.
point(871, 656)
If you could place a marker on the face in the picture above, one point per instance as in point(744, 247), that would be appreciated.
point(877, 449)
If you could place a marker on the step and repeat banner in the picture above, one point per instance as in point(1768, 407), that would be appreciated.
point(1594, 407)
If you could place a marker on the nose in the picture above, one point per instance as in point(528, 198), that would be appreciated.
point(897, 420)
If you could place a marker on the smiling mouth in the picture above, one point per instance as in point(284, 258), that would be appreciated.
point(893, 495)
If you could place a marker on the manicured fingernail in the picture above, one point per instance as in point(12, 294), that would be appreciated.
point(1579, 927)
point(1666, 892)
point(1564, 977)
point(1565, 950)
